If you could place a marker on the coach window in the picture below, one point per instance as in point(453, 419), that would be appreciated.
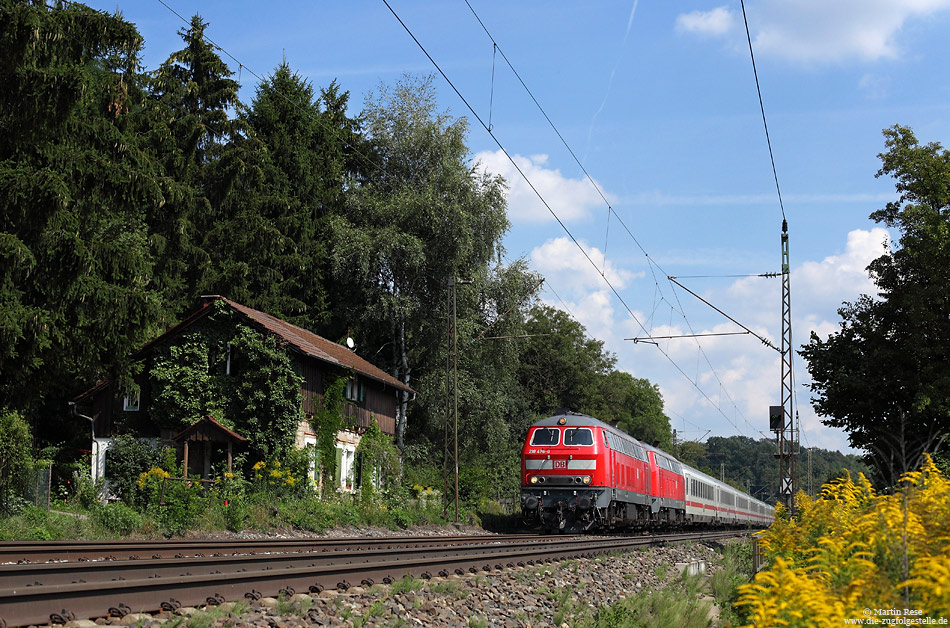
point(545, 436)
point(578, 436)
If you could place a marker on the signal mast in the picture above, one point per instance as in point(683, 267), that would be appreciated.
point(782, 419)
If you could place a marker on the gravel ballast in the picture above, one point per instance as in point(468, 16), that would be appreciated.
point(530, 596)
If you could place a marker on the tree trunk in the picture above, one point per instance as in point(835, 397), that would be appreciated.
point(403, 395)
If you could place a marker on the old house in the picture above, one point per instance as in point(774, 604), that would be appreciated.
point(201, 367)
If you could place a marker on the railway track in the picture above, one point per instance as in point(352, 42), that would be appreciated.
point(65, 586)
point(44, 551)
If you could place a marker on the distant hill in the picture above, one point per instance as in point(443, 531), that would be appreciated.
point(751, 464)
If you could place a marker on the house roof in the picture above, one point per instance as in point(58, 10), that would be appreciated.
point(209, 422)
point(303, 341)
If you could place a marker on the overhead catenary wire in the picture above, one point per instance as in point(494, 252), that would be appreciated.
point(765, 124)
point(537, 193)
point(652, 264)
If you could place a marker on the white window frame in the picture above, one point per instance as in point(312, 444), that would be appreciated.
point(133, 402)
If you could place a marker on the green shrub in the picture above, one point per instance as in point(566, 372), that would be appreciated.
point(401, 518)
point(15, 459)
point(86, 492)
point(229, 496)
point(174, 503)
point(116, 518)
point(126, 459)
point(181, 507)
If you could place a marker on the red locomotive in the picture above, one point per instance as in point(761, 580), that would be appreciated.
point(578, 473)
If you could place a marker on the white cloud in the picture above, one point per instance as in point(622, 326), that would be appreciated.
point(717, 22)
point(744, 378)
point(582, 288)
point(571, 199)
point(842, 277)
point(742, 369)
point(561, 258)
point(818, 32)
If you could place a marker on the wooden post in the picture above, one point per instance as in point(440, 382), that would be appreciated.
point(229, 456)
point(185, 463)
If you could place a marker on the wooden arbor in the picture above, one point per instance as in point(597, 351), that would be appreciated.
point(204, 433)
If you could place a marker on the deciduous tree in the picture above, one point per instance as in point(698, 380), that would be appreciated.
point(884, 377)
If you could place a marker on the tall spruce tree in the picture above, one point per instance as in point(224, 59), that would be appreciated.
point(76, 182)
point(308, 142)
point(206, 153)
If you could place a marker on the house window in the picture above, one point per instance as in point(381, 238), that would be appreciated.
point(354, 390)
point(345, 466)
point(132, 401)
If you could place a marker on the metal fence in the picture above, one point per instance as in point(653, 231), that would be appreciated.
point(37, 488)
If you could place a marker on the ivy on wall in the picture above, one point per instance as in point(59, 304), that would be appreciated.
point(380, 456)
point(237, 374)
point(326, 422)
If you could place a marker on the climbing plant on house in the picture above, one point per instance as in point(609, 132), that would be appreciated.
point(237, 374)
point(379, 456)
point(327, 421)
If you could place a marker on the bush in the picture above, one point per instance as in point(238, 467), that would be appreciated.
point(116, 518)
point(176, 507)
point(15, 459)
point(86, 492)
point(229, 497)
point(126, 459)
point(853, 549)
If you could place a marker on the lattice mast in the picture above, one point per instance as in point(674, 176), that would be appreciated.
point(788, 432)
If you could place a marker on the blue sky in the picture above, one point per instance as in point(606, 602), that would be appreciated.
point(658, 102)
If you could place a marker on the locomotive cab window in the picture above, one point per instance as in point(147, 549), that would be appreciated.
point(578, 436)
point(546, 436)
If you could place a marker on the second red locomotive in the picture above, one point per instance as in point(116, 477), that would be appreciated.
point(578, 473)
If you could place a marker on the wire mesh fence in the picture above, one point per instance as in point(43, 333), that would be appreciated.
point(37, 487)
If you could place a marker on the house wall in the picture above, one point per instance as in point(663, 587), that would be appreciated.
point(346, 445)
point(378, 401)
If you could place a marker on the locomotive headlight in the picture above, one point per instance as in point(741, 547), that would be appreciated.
point(586, 479)
point(534, 479)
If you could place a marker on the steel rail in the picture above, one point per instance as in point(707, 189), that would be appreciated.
point(107, 571)
point(23, 605)
point(32, 551)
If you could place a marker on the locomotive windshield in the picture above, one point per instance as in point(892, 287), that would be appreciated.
point(545, 436)
point(578, 436)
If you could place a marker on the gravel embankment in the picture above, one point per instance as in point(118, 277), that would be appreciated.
point(518, 597)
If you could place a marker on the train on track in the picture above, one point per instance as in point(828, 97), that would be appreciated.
point(580, 474)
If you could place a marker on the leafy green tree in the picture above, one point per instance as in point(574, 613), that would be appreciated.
point(422, 216)
point(560, 366)
point(884, 377)
point(635, 406)
point(689, 452)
